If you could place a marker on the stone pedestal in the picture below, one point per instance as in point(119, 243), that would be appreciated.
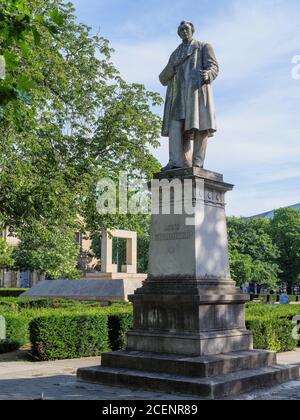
point(189, 305)
point(189, 333)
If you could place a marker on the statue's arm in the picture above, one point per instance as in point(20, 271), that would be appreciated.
point(210, 63)
point(167, 74)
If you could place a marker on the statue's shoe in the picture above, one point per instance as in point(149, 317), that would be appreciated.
point(170, 168)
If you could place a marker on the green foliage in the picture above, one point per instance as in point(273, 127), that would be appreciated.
point(272, 326)
point(19, 304)
point(8, 292)
point(16, 332)
point(253, 255)
point(272, 311)
point(69, 329)
point(8, 304)
point(70, 121)
point(54, 323)
point(19, 30)
point(272, 334)
point(69, 335)
point(6, 258)
point(143, 253)
point(48, 250)
point(285, 231)
point(120, 320)
point(241, 266)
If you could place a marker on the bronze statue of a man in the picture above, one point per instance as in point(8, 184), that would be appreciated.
point(189, 109)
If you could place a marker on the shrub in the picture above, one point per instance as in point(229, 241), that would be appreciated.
point(272, 334)
point(70, 329)
point(66, 335)
point(11, 292)
point(9, 304)
point(119, 323)
point(16, 333)
point(272, 326)
point(43, 303)
point(278, 311)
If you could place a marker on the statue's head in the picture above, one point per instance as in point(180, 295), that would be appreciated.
point(186, 30)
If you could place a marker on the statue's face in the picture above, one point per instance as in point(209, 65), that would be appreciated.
point(186, 32)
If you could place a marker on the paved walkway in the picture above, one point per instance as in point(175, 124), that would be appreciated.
point(25, 380)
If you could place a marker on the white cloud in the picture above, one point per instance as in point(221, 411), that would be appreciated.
point(254, 37)
point(258, 141)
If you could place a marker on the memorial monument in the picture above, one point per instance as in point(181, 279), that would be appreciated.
point(109, 285)
point(189, 333)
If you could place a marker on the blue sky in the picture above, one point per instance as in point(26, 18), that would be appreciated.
point(257, 147)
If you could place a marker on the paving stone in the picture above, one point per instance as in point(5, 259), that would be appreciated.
point(57, 381)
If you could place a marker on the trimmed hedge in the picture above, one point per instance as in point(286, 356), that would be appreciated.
point(8, 304)
point(12, 292)
point(272, 334)
point(119, 323)
point(17, 333)
point(69, 329)
point(43, 303)
point(278, 311)
point(68, 335)
point(272, 326)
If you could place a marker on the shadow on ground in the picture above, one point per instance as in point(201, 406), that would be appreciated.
point(66, 387)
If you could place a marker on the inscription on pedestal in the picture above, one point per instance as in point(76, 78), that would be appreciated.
point(172, 233)
point(172, 236)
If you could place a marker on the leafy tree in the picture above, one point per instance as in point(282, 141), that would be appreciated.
point(142, 254)
point(253, 255)
point(48, 250)
point(6, 258)
point(285, 231)
point(241, 268)
point(20, 27)
point(75, 121)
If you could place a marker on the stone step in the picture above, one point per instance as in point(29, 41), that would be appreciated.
point(198, 367)
point(211, 388)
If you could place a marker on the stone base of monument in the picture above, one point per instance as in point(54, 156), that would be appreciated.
point(210, 377)
point(101, 290)
point(95, 275)
point(189, 334)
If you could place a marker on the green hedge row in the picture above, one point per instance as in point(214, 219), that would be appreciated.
point(59, 337)
point(272, 326)
point(64, 334)
point(272, 334)
point(119, 323)
point(17, 304)
point(11, 292)
point(61, 332)
point(274, 311)
point(69, 335)
point(17, 333)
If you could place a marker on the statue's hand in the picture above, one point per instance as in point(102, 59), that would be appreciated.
point(205, 79)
